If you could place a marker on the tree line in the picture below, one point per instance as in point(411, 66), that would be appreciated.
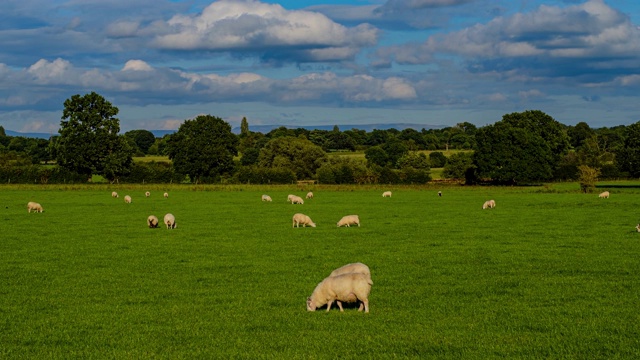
point(521, 148)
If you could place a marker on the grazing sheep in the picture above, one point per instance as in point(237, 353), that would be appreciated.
point(297, 200)
point(309, 195)
point(349, 287)
point(114, 194)
point(166, 195)
point(386, 194)
point(34, 206)
point(152, 221)
point(604, 195)
point(147, 194)
point(358, 267)
point(127, 199)
point(170, 221)
point(489, 204)
point(440, 193)
point(302, 219)
point(266, 198)
point(349, 220)
point(638, 227)
point(289, 197)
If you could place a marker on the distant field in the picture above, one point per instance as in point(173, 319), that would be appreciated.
point(151, 158)
point(549, 273)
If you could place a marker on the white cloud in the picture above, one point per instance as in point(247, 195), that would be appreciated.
point(136, 65)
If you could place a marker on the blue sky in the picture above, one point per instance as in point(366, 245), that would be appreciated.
point(430, 62)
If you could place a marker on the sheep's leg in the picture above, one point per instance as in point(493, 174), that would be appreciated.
point(329, 305)
point(339, 305)
point(361, 306)
point(366, 305)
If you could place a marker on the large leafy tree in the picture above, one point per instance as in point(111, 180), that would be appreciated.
point(628, 157)
point(143, 139)
point(521, 148)
point(203, 148)
point(89, 142)
point(295, 153)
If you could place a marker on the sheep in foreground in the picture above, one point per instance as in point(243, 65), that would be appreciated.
point(489, 204)
point(266, 198)
point(114, 194)
point(289, 197)
point(297, 200)
point(152, 221)
point(309, 195)
point(170, 221)
point(350, 287)
point(147, 194)
point(166, 195)
point(36, 207)
point(386, 194)
point(349, 220)
point(604, 195)
point(302, 219)
point(358, 267)
point(127, 199)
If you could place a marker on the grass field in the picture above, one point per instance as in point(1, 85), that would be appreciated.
point(548, 273)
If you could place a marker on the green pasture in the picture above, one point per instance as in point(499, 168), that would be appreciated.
point(549, 273)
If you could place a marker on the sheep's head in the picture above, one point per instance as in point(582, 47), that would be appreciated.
point(310, 305)
point(312, 224)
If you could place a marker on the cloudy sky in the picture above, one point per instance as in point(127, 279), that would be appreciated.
point(300, 62)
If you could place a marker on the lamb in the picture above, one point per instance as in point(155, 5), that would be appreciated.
point(349, 220)
point(152, 221)
point(297, 200)
point(36, 207)
point(489, 204)
point(302, 219)
point(348, 287)
point(386, 194)
point(147, 194)
point(604, 195)
point(309, 195)
point(114, 194)
point(170, 221)
point(266, 198)
point(127, 199)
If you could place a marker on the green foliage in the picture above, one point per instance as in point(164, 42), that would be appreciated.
point(244, 127)
point(628, 157)
point(89, 142)
point(260, 175)
point(414, 160)
point(143, 139)
point(250, 156)
point(203, 148)
point(294, 153)
point(523, 147)
point(587, 177)
point(457, 166)
point(151, 172)
point(35, 174)
point(376, 155)
point(579, 133)
point(437, 159)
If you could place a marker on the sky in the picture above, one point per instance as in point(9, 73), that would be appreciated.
point(299, 62)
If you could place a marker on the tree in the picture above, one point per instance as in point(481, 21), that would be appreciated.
point(244, 127)
point(628, 157)
point(89, 142)
point(579, 133)
point(437, 159)
point(587, 176)
point(457, 166)
point(295, 153)
point(143, 139)
point(203, 148)
point(521, 148)
point(375, 155)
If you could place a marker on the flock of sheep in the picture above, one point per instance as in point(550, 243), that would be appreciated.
point(152, 221)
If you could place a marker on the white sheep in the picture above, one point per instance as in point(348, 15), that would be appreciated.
point(170, 221)
point(127, 199)
point(440, 193)
point(166, 195)
point(297, 200)
point(358, 267)
point(302, 219)
point(147, 194)
point(489, 204)
point(350, 287)
point(36, 207)
point(114, 194)
point(152, 221)
point(604, 195)
point(289, 197)
point(309, 195)
point(349, 220)
point(638, 227)
point(386, 194)
point(266, 198)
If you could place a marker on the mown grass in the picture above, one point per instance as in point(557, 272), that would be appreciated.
point(547, 274)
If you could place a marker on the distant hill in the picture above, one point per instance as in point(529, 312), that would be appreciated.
point(266, 128)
